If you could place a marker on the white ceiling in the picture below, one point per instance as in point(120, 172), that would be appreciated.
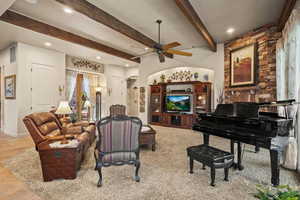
point(5, 4)
point(242, 15)
point(218, 15)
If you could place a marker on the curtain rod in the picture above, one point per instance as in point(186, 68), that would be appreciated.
point(83, 71)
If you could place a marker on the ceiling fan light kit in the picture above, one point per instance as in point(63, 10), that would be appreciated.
point(162, 50)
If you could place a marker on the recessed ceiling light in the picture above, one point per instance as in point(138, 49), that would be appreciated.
point(98, 57)
point(230, 30)
point(68, 10)
point(32, 1)
point(146, 48)
point(127, 65)
point(48, 44)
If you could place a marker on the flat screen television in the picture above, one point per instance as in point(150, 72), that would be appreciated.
point(178, 103)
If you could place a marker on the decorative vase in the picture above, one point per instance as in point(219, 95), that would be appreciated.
point(196, 75)
point(162, 78)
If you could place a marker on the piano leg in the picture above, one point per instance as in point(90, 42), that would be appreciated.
point(232, 146)
point(240, 167)
point(275, 167)
point(257, 149)
point(237, 165)
point(191, 166)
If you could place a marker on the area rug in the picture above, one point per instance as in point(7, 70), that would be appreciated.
point(164, 174)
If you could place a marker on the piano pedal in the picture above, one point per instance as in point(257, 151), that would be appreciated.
point(236, 166)
point(257, 149)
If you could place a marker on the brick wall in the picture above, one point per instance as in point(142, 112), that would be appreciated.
point(265, 88)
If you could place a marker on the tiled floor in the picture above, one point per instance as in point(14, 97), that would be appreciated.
point(10, 187)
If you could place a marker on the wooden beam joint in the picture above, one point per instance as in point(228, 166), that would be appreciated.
point(188, 10)
point(286, 13)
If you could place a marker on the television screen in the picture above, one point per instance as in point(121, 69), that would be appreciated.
point(178, 103)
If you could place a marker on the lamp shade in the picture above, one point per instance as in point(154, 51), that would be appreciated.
point(87, 104)
point(63, 108)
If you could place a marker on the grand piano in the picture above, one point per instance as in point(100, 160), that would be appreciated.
point(244, 123)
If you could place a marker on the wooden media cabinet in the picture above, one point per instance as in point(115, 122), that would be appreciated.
point(200, 101)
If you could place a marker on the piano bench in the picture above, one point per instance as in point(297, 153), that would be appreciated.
point(211, 157)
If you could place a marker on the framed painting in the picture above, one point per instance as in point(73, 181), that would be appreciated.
point(10, 87)
point(243, 66)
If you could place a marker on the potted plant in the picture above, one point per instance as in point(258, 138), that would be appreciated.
point(283, 192)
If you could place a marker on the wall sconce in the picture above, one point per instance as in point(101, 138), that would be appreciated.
point(200, 98)
point(109, 91)
point(61, 89)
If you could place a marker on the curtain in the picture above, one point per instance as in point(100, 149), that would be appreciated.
point(71, 84)
point(288, 68)
point(86, 86)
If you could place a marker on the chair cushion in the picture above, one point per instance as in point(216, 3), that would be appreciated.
point(45, 122)
point(119, 135)
point(41, 118)
point(81, 123)
point(74, 130)
point(119, 157)
point(54, 133)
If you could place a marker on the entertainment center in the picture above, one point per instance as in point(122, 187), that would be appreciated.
point(175, 104)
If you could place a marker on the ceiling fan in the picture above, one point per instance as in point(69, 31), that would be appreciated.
point(162, 50)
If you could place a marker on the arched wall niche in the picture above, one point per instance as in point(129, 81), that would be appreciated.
point(205, 75)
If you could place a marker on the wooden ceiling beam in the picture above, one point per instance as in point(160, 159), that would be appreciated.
point(285, 14)
point(40, 27)
point(188, 10)
point(95, 13)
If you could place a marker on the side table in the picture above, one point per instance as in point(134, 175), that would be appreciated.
point(147, 136)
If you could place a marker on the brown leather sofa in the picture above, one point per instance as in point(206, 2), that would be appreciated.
point(63, 162)
point(45, 127)
point(89, 127)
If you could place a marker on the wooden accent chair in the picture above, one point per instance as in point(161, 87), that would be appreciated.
point(117, 109)
point(118, 143)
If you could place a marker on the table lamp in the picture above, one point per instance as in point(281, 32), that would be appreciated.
point(64, 109)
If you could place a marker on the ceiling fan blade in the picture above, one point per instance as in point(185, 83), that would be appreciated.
point(181, 53)
point(161, 57)
point(144, 54)
point(171, 45)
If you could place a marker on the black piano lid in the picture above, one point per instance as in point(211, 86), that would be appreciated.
point(238, 109)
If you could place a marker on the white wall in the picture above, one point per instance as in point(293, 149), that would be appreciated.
point(15, 110)
point(9, 114)
point(202, 58)
point(5, 4)
point(27, 56)
point(132, 71)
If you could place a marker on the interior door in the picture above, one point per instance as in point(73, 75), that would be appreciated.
point(132, 101)
point(42, 88)
point(117, 93)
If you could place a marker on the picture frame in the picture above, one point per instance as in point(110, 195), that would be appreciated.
point(243, 66)
point(10, 87)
